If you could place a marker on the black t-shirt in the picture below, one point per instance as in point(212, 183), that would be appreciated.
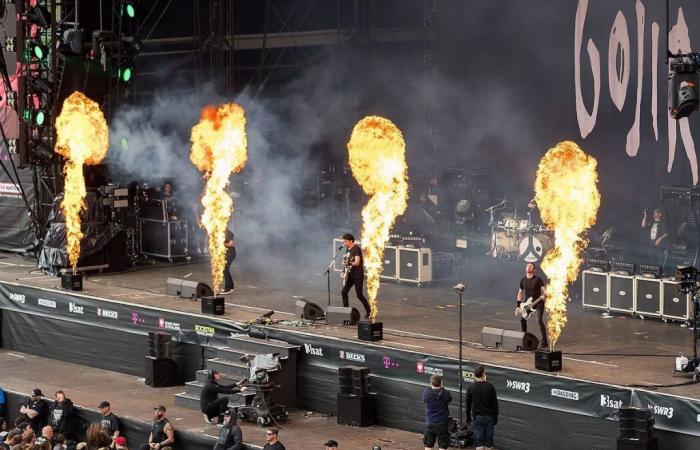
point(652, 233)
point(42, 408)
point(110, 424)
point(532, 287)
point(275, 446)
point(356, 271)
point(482, 400)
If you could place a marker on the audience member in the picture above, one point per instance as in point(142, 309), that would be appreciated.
point(437, 415)
point(62, 415)
point(230, 435)
point(121, 443)
point(47, 433)
point(2, 404)
point(97, 437)
point(272, 438)
point(35, 410)
point(162, 432)
point(59, 441)
point(109, 422)
point(482, 405)
point(209, 402)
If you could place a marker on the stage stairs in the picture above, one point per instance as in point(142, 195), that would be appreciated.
point(227, 361)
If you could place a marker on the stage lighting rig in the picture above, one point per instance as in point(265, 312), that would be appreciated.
point(683, 84)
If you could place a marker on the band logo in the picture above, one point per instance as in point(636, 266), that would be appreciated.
point(518, 386)
point(203, 330)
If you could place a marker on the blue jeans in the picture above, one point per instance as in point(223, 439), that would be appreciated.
point(483, 431)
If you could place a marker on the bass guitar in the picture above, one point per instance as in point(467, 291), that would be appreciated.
point(527, 308)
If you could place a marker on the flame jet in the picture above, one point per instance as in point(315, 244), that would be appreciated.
point(82, 137)
point(378, 161)
point(567, 196)
point(219, 148)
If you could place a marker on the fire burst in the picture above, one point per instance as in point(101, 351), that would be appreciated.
point(82, 137)
point(219, 148)
point(378, 162)
point(567, 195)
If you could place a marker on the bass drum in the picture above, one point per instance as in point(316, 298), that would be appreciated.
point(503, 244)
point(533, 247)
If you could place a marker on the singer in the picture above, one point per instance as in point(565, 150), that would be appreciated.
point(354, 272)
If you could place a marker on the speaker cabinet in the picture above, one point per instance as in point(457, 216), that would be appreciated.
point(356, 410)
point(307, 310)
point(491, 337)
point(339, 315)
point(213, 305)
point(648, 297)
point(675, 306)
point(353, 380)
point(622, 293)
point(160, 372)
point(370, 331)
point(177, 287)
point(517, 341)
point(595, 289)
point(415, 265)
point(390, 269)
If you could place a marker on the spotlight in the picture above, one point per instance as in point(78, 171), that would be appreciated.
point(73, 38)
point(36, 50)
point(34, 118)
point(125, 74)
point(40, 15)
point(128, 10)
point(683, 84)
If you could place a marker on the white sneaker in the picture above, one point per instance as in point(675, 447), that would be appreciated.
point(208, 420)
point(226, 291)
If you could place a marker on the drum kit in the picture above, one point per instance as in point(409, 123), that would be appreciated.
point(517, 239)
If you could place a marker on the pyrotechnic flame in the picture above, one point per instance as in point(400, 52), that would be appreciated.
point(378, 162)
point(219, 148)
point(567, 196)
point(82, 137)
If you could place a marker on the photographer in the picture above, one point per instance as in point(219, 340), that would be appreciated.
point(437, 414)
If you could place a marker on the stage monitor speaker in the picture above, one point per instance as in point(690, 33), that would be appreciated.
point(307, 310)
point(160, 372)
point(213, 305)
point(177, 287)
point(356, 410)
point(491, 337)
point(517, 341)
point(339, 315)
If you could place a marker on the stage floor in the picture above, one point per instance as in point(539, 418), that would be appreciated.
point(130, 397)
point(422, 319)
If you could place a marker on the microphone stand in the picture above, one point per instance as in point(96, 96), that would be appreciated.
point(327, 273)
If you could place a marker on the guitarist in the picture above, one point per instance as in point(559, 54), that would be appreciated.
point(532, 286)
point(356, 274)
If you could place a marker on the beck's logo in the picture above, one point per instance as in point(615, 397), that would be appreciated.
point(47, 303)
point(350, 356)
point(18, 298)
point(518, 386)
point(76, 308)
point(561, 393)
point(108, 314)
point(608, 402)
point(314, 351)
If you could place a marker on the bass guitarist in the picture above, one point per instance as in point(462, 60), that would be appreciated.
point(354, 272)
point(532, 287)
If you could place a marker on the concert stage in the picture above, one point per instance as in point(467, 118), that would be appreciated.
point(420, 333)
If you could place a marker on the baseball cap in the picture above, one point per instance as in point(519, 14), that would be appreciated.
point(103, 404)
point(159, 408)
point(36, 392)
point(22, 425)
point(120, 440)
point(330, 443)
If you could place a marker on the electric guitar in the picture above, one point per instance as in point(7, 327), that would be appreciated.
point(527, 308)
point(346, 267)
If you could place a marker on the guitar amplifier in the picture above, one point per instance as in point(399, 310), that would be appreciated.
point(648, 297)
point(595, 289)
point(621, 293)
point(674, 306)
point(415, 265)
point(164, 239)
point(391, 258)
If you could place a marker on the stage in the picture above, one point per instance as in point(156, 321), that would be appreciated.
point(420, 338)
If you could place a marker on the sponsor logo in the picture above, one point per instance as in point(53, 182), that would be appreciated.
point(47, 303)
point(18, 298)
point(608, 402)
point(203, 330)
point(561, 393)
point(76, 308)
point(162, 323)
point(350, 356)
point(468, 376)
point(107, 313)
point(9, 190)
point(428, 370)
point(389, 363)
point(136, 319)
point(314, 351)
point(518, 386)
point(666, 411)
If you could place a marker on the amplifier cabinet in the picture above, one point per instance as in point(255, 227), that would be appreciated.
point(164, 239)
point(595, 289)
point(415, 265)
point(621, 293)
point(674, 306)
point(648, 297)
point(390, 263)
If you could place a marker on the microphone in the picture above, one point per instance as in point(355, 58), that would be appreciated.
point(341, 247)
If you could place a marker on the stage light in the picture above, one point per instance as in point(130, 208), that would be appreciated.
point(35, 118)
point(39, 117)
point(683, 84)
point(36, 50)
point(125, 74)
point(73, 38)
point(128, 10)
point(40, 15)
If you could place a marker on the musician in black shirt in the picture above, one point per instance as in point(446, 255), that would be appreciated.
point(356, 275)
point(230, 244)
point(532, 286)
point(482, 406)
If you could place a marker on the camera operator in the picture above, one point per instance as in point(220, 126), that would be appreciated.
point(437, 414)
